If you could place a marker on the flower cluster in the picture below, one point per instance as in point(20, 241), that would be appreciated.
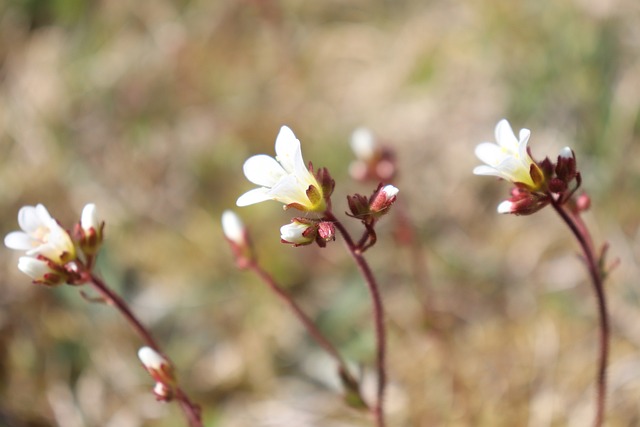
point(536, 184)
point(51, 254)
point(161, 371)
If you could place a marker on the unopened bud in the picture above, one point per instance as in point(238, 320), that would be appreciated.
point(90, 232)
point(583, 203)
point(383, 199)
point(157, 366)
point(233, 228)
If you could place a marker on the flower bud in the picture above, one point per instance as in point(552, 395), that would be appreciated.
point(90, 232)
point(233, 228)
point(383, 199)
point(41, 271)
point(299, 232)
point(157, 365)
point(523, 202)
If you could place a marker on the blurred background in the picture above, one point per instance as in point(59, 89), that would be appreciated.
point(150, 108)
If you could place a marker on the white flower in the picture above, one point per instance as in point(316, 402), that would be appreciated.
point(41, 235)
point(284, 179)
point(509, 158)
point(233, 227)
point(298, 233)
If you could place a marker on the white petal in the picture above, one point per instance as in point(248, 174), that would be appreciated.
point(390, 191)
point(522, 144)
point(89, 218)
point(490, 153)
point(290, 190)
point(233, 227)
point(18, 240)
point(505, 136)
point(292, 233)
point(263, 170)
point(505, 207)
point(28, 218)
point(32, 267)
point(288, 149)
point(151, 358)
point(254, 196)
point(566, 153)
point(487, 170)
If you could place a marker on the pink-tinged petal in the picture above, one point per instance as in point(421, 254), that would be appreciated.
point(505, 207)
point(505, 136)
point(490, 153)
point(263, 170)
point(18, 240)
point(288, 151)
point(254, 196)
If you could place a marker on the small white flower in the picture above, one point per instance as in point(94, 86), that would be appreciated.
point(284, 179)
point(41, 235)
point(509, 158)
point(233, 227)
point(298, 233)
point(151, 359)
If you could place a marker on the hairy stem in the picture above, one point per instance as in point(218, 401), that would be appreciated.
point(581, 233)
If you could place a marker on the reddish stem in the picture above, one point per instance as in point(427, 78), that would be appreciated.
point(378, 315)
point(579, 230)
point(190, 409)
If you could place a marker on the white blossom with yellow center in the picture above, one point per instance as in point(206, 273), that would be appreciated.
point(284, 179)
point(41, 235)
point(509, 158)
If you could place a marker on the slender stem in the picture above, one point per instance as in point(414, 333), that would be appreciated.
point(301, 315)
point(582, 235)
point(378, 315)
point(190, 409)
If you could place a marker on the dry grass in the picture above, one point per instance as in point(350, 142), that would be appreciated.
point(149, 109)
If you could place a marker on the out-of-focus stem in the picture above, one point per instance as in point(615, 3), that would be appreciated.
point(313, 331)
point(378, 315)
point(190, 409)
point(581, 233)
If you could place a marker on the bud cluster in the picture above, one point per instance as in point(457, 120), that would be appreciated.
point(161, 371)
point(558, 182)
point(305, 231)
point(370, 209)
point(52, 256)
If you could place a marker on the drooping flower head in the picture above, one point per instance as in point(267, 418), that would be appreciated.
point(41, 235)
point(160, 370)
point(286, 178)
point(509, 158)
